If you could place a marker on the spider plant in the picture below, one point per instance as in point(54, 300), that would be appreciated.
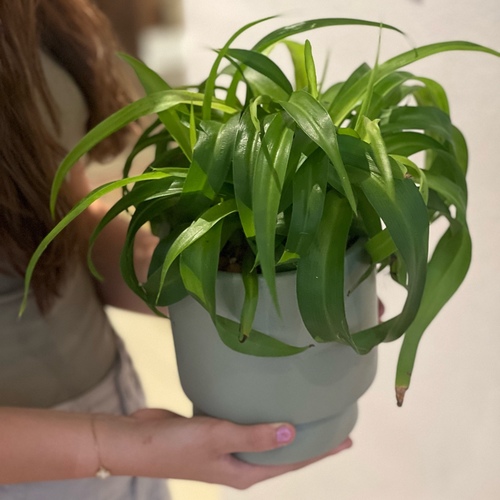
point(257, 172)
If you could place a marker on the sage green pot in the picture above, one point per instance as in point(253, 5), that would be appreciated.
point(316, 390)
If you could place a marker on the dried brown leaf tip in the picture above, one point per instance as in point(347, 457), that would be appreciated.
point(400, 394)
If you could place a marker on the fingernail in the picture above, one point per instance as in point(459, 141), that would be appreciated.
point(283, 434)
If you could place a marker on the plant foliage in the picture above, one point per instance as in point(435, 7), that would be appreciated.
point(276, 175)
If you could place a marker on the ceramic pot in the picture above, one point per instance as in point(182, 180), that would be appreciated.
point(316, 390)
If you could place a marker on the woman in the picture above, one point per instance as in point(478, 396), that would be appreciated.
point(70, 403)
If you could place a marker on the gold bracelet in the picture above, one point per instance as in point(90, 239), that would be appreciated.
point(102, 472)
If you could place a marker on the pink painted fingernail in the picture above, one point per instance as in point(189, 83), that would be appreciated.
point(283, 434)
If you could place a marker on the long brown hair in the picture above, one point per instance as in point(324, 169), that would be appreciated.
point(79, 37)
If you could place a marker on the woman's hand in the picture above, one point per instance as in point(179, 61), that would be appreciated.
point(163, 444)
point(44, 445)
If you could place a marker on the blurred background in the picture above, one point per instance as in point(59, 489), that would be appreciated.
point(445, 441)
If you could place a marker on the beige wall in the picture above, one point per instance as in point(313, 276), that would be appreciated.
point(131, 17)
point(444, 444)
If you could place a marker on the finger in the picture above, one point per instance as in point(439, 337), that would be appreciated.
point(154, 414)
point(381, 309)
point(255, 438)
point(341, 447)
point(252, 474)
point(300, 465)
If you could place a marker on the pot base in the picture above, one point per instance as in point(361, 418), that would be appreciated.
point(312, 439)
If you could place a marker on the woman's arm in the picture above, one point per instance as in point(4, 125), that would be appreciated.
point(106, 252)
point(39, 445)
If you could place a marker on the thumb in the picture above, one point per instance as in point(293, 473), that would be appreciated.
point(260, 437)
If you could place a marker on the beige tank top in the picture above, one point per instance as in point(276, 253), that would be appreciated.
point(45, 360)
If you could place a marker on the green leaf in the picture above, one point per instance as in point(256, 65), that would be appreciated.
point(251, 285)
point(246, 150)
point(198, 267)
point(80, 207)
point(214, 150)
point(316, 123)
point(347, 102)
point(154, 103)
point(431, 120)
point(368, 216)
point(432, 94)
point(447, 270)
point(145, 141)
point(196, 186)
point(142, 215)
point(450, 192)
point(152, 82)
point(445, 169)
point(312, 81)
point(409, 143)
point(173, 288)
point(381, 246)
point(378, 146)
point(269, 175)
point(144, 191)
point(405, 217)
point(295, 29)
point(389, 92)
point(212, 77)
point(418, 175)
point(263, 65)
point(336, 93)
point(460, 149)
point(299, 64)
point(257, 343)
point(262, 86)
point(320, 275)
point(355, 154)
point(195, 231)
point(192, 128)
point(309, 191)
